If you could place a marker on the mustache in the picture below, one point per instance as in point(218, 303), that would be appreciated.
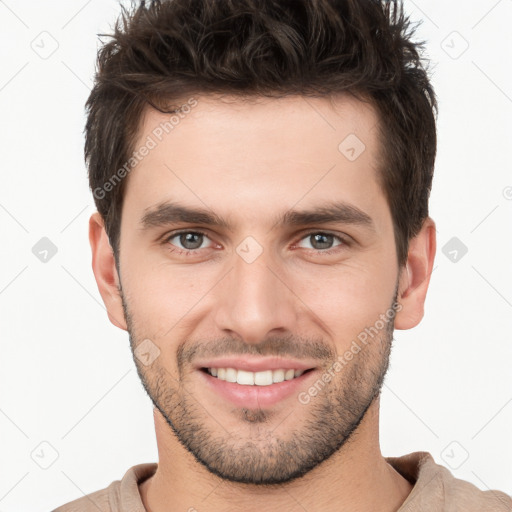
point(283, 346)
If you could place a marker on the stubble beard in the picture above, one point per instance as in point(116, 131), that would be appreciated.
point(259, 453)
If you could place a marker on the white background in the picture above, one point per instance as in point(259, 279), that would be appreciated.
point(66, 374)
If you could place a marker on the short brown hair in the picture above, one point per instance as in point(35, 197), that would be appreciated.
point(163, 50)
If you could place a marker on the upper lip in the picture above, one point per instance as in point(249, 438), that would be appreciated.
point(255, 364)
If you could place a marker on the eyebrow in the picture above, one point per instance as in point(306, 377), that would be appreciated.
point(172, 212)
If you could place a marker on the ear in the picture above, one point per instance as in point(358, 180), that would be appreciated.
point(105, 272)
point(415, 276)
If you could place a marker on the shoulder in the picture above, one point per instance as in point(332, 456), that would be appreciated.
point(435, 486)
point(121, 495)
point(98, 500)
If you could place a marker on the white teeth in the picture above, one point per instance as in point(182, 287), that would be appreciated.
point(264, 378)
point(289, 374)
point(278, 375)
point(243, 377)
point(230, 374)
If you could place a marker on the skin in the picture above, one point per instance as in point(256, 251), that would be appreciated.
point(248, 162)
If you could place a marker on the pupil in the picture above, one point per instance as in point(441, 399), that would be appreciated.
point(188, 238)
point(321, 239)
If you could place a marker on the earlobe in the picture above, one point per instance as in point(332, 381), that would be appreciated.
point(415, 276)
point(105, 272)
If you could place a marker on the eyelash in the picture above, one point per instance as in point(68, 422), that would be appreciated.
point(188, 252)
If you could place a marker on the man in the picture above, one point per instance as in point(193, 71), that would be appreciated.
point(262, 172)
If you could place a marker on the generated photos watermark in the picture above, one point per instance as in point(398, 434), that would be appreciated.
point(151, 142)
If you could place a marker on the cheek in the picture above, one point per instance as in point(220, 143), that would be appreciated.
point(347, 299)
point(162, 298)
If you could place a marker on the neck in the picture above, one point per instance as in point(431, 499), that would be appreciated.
point(357, 477)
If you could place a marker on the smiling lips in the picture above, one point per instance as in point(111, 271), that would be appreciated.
point(255, 389)
point(249, 381)
point(261, 378)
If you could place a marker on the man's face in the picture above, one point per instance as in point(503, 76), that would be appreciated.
point(265, 291)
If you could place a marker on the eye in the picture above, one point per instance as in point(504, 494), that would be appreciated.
point(323, 242)
point(189, 242)
point(186, 241)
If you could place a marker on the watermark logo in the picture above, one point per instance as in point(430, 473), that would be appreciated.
point(351, 147)
point(454, 455)
point(44, 455)
point(146, 352)
point(44, 44)
point(44, 250)
point(454, 45)
point(454, 249)
point(249, 249)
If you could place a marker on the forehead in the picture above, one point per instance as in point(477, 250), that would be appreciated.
point(239, 157)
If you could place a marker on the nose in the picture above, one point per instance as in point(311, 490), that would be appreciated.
point(255, 299)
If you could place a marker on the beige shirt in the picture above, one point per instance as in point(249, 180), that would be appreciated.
point(435, 489)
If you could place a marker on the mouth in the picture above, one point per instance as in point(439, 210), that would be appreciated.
point(254, 384)
point(259, 378)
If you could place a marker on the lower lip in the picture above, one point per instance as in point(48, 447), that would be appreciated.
point(256, 397)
